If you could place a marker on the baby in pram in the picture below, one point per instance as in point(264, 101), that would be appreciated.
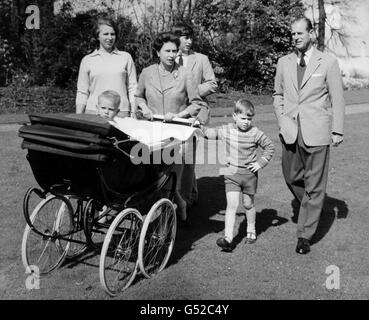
point(107, 108)
point(108, 104)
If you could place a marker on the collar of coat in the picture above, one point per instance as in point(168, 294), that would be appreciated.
point(314, 63)
point(98, 52)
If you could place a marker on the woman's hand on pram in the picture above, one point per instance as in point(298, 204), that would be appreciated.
point(195, 122)
point(170, 116)
point(144, 112)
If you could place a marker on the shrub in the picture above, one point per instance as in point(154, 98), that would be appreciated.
point(6, 62)
point(53, 55)
point(245, 37)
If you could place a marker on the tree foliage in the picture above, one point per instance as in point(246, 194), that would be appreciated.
point(52, 54)
point(243, 40)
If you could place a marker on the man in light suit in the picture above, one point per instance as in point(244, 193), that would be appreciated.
point(203, 77)
point(309, 106)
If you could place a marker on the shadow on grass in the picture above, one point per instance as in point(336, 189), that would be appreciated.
point(332, 209)
point(202, 222)
point(87, 257)
point(265, 219)
point(212, 200)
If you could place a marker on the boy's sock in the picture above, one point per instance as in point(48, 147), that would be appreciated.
point(230, 218)
point(251, 218)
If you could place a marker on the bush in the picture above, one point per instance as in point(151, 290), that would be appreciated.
point(245, 38)
point(6, 62)
point(53, 54)
point(7, 51)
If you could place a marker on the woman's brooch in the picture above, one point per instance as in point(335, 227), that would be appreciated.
point(175, 74)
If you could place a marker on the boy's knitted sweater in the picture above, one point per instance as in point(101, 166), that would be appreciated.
point(241, 146)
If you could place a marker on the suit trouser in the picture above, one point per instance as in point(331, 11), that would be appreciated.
point(305, 170)
point(189, 189)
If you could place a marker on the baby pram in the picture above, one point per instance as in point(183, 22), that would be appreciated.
point(94, 197)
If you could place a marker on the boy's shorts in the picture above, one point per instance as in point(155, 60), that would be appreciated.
point(242, 182)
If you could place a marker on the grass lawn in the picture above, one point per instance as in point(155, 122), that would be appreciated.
point(268, 269)
point(51, 99)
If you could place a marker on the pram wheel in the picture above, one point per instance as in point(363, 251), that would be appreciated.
point(44, 249)
point(93, 230)
point(157, 237)
point(118, 260)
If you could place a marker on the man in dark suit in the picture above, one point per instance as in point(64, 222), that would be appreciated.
point(309, 106)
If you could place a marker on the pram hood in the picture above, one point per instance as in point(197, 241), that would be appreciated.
point(79, 153)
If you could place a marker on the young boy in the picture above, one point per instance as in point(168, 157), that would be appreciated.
point(108, 104)
point(241, 172)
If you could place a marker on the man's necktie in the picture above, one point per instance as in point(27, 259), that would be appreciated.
point(180, 60)
point(302, 61)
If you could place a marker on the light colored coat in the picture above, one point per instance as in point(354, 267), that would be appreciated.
point(203, 75)
point(178, 94)
point(319, 101)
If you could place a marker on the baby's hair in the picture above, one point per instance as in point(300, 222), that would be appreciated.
point(244, 106)
point(111, 94)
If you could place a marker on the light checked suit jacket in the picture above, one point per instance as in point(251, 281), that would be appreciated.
point(199, 65)
point(319, 100)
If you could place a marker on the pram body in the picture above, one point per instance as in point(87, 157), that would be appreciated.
point(89, 186)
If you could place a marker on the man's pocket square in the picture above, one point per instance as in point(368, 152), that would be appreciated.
point(316, 75)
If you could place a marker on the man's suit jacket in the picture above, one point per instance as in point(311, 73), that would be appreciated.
point(319, 100)
point(179, 92)
point(203, 75)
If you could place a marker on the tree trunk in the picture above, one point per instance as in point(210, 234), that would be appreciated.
point(321, 25)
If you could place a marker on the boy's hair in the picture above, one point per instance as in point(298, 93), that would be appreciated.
point(244, 106)
point(112, 95)
point(182, 29)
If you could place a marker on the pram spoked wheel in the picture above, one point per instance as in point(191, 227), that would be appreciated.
point(118, 259)
point(86, 175)
point(91, 227)
point(43, 247)
point(157, 237)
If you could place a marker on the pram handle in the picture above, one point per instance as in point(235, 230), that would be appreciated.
point(182, 121)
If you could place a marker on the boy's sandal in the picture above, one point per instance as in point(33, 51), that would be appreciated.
point(250, 237)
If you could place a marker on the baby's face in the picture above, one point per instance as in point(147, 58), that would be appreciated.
point(106, 108)
point(243, 120)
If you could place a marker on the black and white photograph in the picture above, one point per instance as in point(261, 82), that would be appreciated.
point(184, 158)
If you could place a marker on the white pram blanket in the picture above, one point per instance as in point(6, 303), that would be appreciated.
point(156, 134)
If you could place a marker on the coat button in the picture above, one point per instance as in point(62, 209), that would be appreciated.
point(294, 118)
